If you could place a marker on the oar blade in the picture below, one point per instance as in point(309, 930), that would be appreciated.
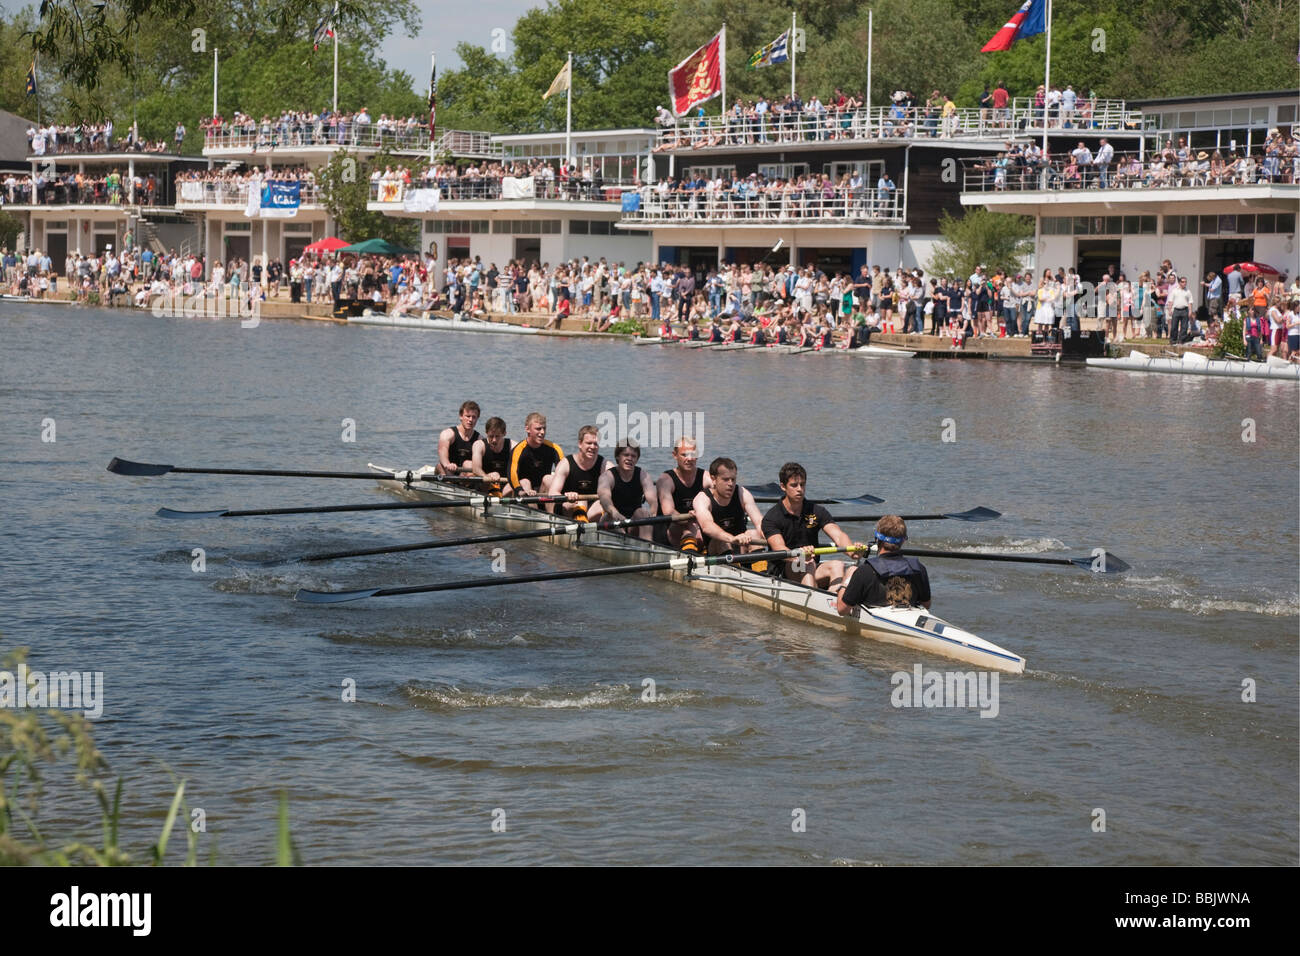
point(303, 596)
point(1101, 563)
point(173, 513)
point(975, 514)
point(141, 469)
point(860, 500)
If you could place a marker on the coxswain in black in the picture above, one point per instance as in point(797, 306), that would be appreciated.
point(491, 459)
point(723, 510)
point(796, 523)
point(456, 444)
point(578, 476)
point(888, 578)
point(715, 333)
point(627, 492)
point(533, 459)
point(677, 489)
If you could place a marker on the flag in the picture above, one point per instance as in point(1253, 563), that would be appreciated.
point(325, 30)
point(1029, 20)
point(698, 78)
point(31, 80)
point(562, 81)
point(433, 100)
point(778, 51)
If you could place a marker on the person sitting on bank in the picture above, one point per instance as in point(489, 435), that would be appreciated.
point(601, 323)
point(888, 578)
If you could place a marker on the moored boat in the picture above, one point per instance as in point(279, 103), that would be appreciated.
point(428, 323)
point(1190, 363)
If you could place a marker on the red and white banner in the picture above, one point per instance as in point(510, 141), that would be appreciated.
point(698, 78)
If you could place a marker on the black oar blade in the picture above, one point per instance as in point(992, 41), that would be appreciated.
point(333, 597)
point(975, 514)
point(173, 513)
point(120, 466)
point(771, 488)
point(1103, 563)
point(861, 499)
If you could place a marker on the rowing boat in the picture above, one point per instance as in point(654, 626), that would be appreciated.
point(910, 627)
point(1193, 364)
point(399, 320)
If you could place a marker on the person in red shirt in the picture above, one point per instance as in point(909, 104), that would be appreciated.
point(1000, 100)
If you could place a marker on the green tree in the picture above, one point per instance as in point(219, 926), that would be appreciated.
point(991, 239)
point(344, 185)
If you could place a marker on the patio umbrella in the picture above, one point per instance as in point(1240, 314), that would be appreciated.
point(1253, 268)
point(377, 247)
point(321, 246)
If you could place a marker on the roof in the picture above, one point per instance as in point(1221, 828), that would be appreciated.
point(1216, 98)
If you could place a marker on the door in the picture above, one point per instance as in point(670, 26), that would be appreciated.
point(293, 247)
point(236, 247)
point(1221, 253)
point(528, 249)
point(1095, 256)
point(56, 247)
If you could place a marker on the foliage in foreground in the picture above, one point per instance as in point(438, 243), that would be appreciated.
point(991, 239)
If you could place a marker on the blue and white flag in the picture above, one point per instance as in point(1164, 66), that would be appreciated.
point(280, 200)
point(778, 51)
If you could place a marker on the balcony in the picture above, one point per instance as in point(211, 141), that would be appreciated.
point(891, 124)
point(1129, 171)
point(505, 189)
point(316, 137)
point(223, 193)
point(60, 192)
point(862, 207)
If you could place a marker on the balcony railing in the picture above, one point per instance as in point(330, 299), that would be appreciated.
point(500, 190)
point(732, 206)
point(191, 193)
point(991, 174)
point(61, 193)
point(888, 123)
point(470, 143)
point(285, 136)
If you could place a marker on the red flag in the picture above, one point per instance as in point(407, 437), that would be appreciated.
point(698, 78)
point(1028, 21)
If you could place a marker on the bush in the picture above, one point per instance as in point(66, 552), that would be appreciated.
point(628, 327)
point(1231, 340)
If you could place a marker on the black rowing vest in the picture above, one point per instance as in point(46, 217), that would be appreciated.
point(730, 518)
point(782, 336)
point(461, 450)
point(683, 495)
point(627, 495)
point(583, 481)
point(496, 461)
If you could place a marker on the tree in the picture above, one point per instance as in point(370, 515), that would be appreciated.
point(991, 239)
point(344, 185)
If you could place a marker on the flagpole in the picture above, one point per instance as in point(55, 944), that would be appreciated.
point(336, 64)
point(568, 117)
point(871, 13)
point(37, 92)
point(215, 54)
point(433, 79)
point(723, 68)
point(793, 46)
point(1047, 81)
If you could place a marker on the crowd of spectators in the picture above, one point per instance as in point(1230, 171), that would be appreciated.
point(323, 128)
point(483, 180)
point(758, 197)
point(59, 138)
point(112, 188)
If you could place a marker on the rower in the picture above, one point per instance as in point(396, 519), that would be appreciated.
point(889, 578)
point(721, 512)
point(628, 492)
point(693, 329)
point(456, 444)
point(677, 489)
point(533, 459)
point(733, 331)
point(491, 459)
point(795, 522)
point(579, 475)
point(715, 333)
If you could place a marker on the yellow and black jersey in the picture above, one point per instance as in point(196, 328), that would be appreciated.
point(533, 464)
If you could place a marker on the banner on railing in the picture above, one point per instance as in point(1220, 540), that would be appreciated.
point(192, 192)
point(516, 188)
point(631, 202)
point(390, 190)
point(421, 200)
point(280, 200)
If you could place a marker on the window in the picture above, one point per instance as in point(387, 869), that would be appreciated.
point(239, 227)
point(578, 227)
point(1209, 225)
point(1245, 224)
point(1286, 222)
point(57, 224)
point(1286, 114)
point(1148, 225)
point(1114, 225)
point(1130, 225)
point(1266, 223)
point(600, 227)
point(1259, 114)
point(1080, 225)
point(298, 227)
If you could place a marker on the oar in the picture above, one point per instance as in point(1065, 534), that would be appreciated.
point(140, 469)
point(575, 528)
point(473, 502)
point(685, 562)
point(974, 514)
point(771, 492)
point(1103, 563)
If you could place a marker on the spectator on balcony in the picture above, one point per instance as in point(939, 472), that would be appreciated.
point(1105, 156)
point(1069, 100)
point(949, 117)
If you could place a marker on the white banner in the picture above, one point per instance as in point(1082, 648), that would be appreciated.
point(192, 191)
point(421, 200)
point(254, 198)
point(512, 188)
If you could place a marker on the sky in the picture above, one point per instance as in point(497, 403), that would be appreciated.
point(446, 24)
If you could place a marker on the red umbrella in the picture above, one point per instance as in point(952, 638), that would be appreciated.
point(322, 246)
point(1255, 268)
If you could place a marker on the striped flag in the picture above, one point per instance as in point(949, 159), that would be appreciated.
point(31, 80)
point(778, 51)
point(325, 30)
point(1029, 20)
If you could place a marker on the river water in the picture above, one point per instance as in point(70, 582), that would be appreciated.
point(769, 741)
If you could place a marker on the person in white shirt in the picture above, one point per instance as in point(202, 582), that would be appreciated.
point(1105, 155)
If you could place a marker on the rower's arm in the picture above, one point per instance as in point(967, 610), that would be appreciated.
point(704, 516)
point(651, 494)
point(515, 480)
point(751, 511)
point(476, 462)
point(837, 535)
point(664, 495)
point(444, 450)
point(605, 494)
